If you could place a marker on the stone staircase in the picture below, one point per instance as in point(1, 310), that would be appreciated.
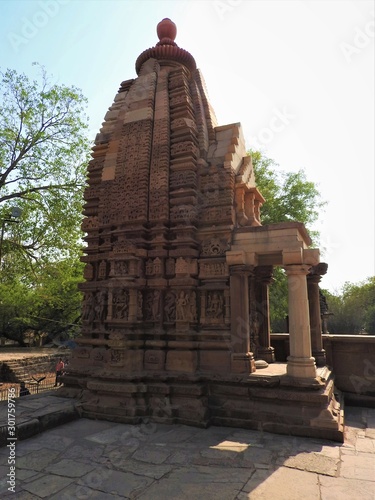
point(22, 369)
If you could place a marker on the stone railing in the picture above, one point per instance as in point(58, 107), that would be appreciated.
point(352, 358)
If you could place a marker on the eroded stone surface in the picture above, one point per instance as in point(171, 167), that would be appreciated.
point(152, 455)
point(359, 466)
point(47, 485)
point(37, 460)
point(283, 484)
point(115, 482)
point(312, 462)
point(69, 468)
point(344, 489)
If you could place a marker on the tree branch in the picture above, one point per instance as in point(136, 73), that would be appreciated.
point(20, 194)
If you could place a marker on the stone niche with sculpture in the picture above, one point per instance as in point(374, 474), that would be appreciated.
point(178, 266)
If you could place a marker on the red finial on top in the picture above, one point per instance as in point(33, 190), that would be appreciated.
point(166, 49)
point(166, 29)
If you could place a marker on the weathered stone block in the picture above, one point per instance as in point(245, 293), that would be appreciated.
point(182, 361)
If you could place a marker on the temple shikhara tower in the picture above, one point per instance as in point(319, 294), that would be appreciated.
point(177, 269)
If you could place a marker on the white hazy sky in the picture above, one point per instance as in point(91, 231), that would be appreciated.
point(298, 75)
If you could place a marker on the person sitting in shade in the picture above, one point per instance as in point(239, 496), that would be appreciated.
point(24, 391)
point(59, 370)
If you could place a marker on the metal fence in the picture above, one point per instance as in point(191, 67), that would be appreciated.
point(34, 387)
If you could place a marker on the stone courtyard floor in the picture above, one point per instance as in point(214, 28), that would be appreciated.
point(86, 459)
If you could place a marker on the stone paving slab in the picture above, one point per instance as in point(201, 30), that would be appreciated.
point(36, 413)
point(283, 484)
point(104, 460)
point(344, 489)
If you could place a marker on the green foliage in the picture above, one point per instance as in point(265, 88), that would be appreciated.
point(353, 309)
point(43, 152)
point(43, 155)
point(289, 197)
point(48, 304)
point(279, 301)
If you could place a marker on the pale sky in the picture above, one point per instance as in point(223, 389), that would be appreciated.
point(298, 75)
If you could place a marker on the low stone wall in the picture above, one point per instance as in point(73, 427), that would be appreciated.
point(352, 358)
point(15, 370)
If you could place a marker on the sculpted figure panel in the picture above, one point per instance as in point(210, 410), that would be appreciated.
point(101, 306)
point(170, 267)
point(170, 307)
point(149, 267)
point(116, 356)
point(88, 273)
point(215, 305)
point(193, 307)
point(158, 267)
point(102, 272)
point(182, 306)
point(120, 304)
point(186, 306)
point(154, 267)
point(121, 268)
point(152, 305)
point(88, 313)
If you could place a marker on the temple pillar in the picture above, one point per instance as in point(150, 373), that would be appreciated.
point(242, 360)
point(313, 280)
point(301, 364)
point(263, 279)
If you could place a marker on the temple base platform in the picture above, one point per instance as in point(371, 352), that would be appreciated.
point(266, 400)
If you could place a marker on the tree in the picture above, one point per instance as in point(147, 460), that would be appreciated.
point(289, 197)
point(48, 306)
point(43, 152)
point(353, 308)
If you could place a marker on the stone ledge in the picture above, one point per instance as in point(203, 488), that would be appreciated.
point(37, 413)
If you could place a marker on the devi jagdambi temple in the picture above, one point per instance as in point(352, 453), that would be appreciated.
point(176, 323)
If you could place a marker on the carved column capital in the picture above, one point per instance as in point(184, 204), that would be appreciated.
point(264, 274)
point(241, 269)
point(313, 278)
point(297, 269)
point(316, 272)
point(319, 269)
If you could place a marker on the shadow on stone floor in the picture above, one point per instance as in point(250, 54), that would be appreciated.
point(99, 459)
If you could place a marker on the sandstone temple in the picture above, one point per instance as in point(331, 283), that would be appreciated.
point(176, 323)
